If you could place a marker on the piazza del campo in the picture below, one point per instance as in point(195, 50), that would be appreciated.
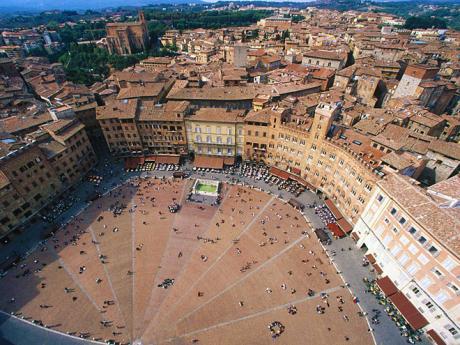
point(231, 173)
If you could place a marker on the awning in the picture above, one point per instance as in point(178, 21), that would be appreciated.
point(301, 181)
point(370, 258)
point(279, 173)
point(167, 159)
point(133, 162)
point(150, 158)
point(413, 317)
point(229, 160)
point(296, 171)
point(344, 225)
point(330, 205)
point(387, 286)
point(377, 268)
point(436, 338)
point(208, 162)
point(334, 228)
point(355, 236)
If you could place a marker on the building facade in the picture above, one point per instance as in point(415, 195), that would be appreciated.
point(133, 127)
point(410, 233)
point(216, 132)
point(29, 183)
point(128, 38)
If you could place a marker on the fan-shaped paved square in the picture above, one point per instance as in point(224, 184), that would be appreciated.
point(130, 270)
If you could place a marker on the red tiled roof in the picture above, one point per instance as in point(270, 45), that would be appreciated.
point(302, 182)
point(279, 173)
point(413, 317)
point(334, 228)
point(296, 171)
point(167, 159)
point(344, 225)
point(133, 162)
point(378, 269)
point(229, 160)
point(387, 286)
point(208, 162)
point(436, 338)
point(334, 210)
point(370, 258)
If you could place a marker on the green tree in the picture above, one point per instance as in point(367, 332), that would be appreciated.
point(424, 22)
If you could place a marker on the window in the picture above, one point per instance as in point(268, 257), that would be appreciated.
point(413, 249)
point(441, 297)
point(393, 211)
point(413, 269)
point(454, 288)
point(448, 264)
point(415, 290)
point(437, 272)
point(379, 198)
point(422, 240)
point(402, 220)
point(404, 240)
point(425, 283)
point(453, 331)
point(433, 250)
point(403, 259)
point(429, 305)
point(395, 250)
point(412, 230)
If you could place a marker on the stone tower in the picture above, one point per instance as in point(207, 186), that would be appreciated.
point(324, 116)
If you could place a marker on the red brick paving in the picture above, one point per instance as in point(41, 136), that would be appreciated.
point(177, 315)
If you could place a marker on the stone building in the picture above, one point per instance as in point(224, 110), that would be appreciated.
point(256, 132)
point(413, 76)
point(216, 132)
point(129, 37)
point(68, 150)
point(34, 172)
point(28, 183)
point(133, 127)
point(409, 235)
point(342, 166)
point(324, 58)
